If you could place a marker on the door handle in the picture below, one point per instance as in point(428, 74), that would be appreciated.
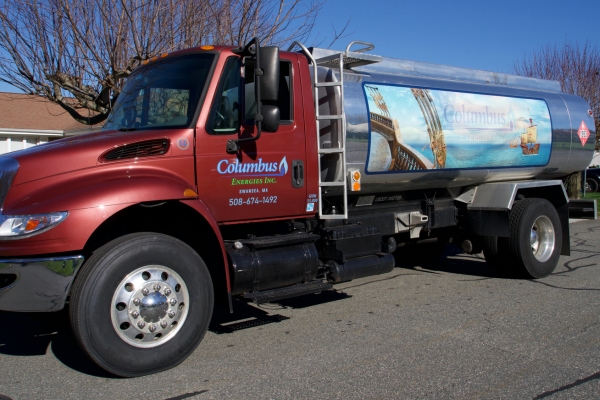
point(297, 174)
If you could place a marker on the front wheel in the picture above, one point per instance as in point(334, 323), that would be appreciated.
point(141, 304)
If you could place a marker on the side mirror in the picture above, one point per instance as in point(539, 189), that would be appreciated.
point(266, 81)
point(271, 117)
point(269, 81)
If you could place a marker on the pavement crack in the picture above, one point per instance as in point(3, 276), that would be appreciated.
point(569, 386)
point(566, 288)
point(187, 395)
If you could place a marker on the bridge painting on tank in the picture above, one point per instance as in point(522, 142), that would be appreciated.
point(414, 129)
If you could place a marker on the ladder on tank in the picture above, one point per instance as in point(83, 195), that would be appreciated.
point(335, 61)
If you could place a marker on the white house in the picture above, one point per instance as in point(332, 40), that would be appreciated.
point(27, 120)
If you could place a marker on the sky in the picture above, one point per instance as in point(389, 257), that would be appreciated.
point(482, 34)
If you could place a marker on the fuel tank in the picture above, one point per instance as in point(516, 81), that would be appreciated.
point(412, 125)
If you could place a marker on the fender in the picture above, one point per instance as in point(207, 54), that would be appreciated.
point(90, 199)
point(205, 212)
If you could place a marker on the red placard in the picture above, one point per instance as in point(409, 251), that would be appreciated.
point(583, 133)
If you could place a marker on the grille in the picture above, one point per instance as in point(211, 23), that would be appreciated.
point(142, 149)
point(8, 171)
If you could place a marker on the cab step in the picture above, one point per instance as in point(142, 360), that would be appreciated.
point(287, 292)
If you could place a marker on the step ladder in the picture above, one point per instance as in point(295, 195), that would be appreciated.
point(336, 61)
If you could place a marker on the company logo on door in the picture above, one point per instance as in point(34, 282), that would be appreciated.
point(258, 168)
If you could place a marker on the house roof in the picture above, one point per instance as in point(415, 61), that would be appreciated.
point(29, 112)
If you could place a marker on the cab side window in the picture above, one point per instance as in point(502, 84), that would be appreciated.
point(284, 101)
point(226, 108)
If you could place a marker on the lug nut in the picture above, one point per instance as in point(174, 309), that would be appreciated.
point(137, 302)
point(141, 324)
point(171, 314)
point(163, 324)
point(152, 328)
point(173, 302)
point(135, 314)
point(157, 288)
point(145, 291)
point(167, 291)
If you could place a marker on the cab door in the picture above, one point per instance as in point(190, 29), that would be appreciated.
point(265, 179)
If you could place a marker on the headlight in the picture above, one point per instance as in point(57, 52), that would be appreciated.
point(21, 225)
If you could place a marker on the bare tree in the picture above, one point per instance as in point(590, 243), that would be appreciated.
point(577, 68)
point(77, 52)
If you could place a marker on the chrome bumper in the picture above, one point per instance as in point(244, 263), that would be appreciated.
point(40, 284)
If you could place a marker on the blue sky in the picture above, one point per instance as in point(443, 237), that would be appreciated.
point(488, 35)
point(466, 33)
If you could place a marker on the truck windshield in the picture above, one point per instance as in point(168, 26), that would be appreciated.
point(161, 95)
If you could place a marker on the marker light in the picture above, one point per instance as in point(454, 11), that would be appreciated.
point(207, 47)
point(354, 180)
point(21, 225)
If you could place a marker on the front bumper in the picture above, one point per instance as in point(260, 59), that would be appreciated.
point(37, 284)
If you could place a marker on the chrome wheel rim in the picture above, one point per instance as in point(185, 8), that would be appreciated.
point(149, 306)
point(542, 238)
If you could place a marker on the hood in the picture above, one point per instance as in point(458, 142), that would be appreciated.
point(76, 152)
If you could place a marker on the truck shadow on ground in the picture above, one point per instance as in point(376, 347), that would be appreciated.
point(34, 334)
point(454, 261)
point(247, 315)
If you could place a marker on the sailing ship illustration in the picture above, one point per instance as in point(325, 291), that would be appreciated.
point(514, 143)
point(529, 143)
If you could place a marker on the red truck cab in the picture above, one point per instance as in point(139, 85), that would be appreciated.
point(159, 165)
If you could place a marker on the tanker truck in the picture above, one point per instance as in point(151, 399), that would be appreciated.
point(263, 174)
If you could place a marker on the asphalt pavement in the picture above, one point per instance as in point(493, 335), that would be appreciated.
point(452, 330)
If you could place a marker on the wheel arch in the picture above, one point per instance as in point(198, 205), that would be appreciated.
point(488, 206)
point(187, 220)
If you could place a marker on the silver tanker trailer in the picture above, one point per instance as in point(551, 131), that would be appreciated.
point(432, 153)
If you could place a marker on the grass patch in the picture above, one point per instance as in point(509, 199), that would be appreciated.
point(592, 195)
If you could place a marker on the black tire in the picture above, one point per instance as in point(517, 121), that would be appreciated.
point(534, 219)
point(592, 185)
point(495, 252)
point(179, 304)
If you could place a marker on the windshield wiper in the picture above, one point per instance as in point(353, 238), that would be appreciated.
point(127, 129)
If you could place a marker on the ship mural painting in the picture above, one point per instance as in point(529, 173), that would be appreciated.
point(419, 129)
point(529, 142)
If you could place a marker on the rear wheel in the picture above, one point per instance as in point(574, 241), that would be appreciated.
point(536, 237)
point(141, 304)
point(495, 253)
point(591, 185)
point(533, 249)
